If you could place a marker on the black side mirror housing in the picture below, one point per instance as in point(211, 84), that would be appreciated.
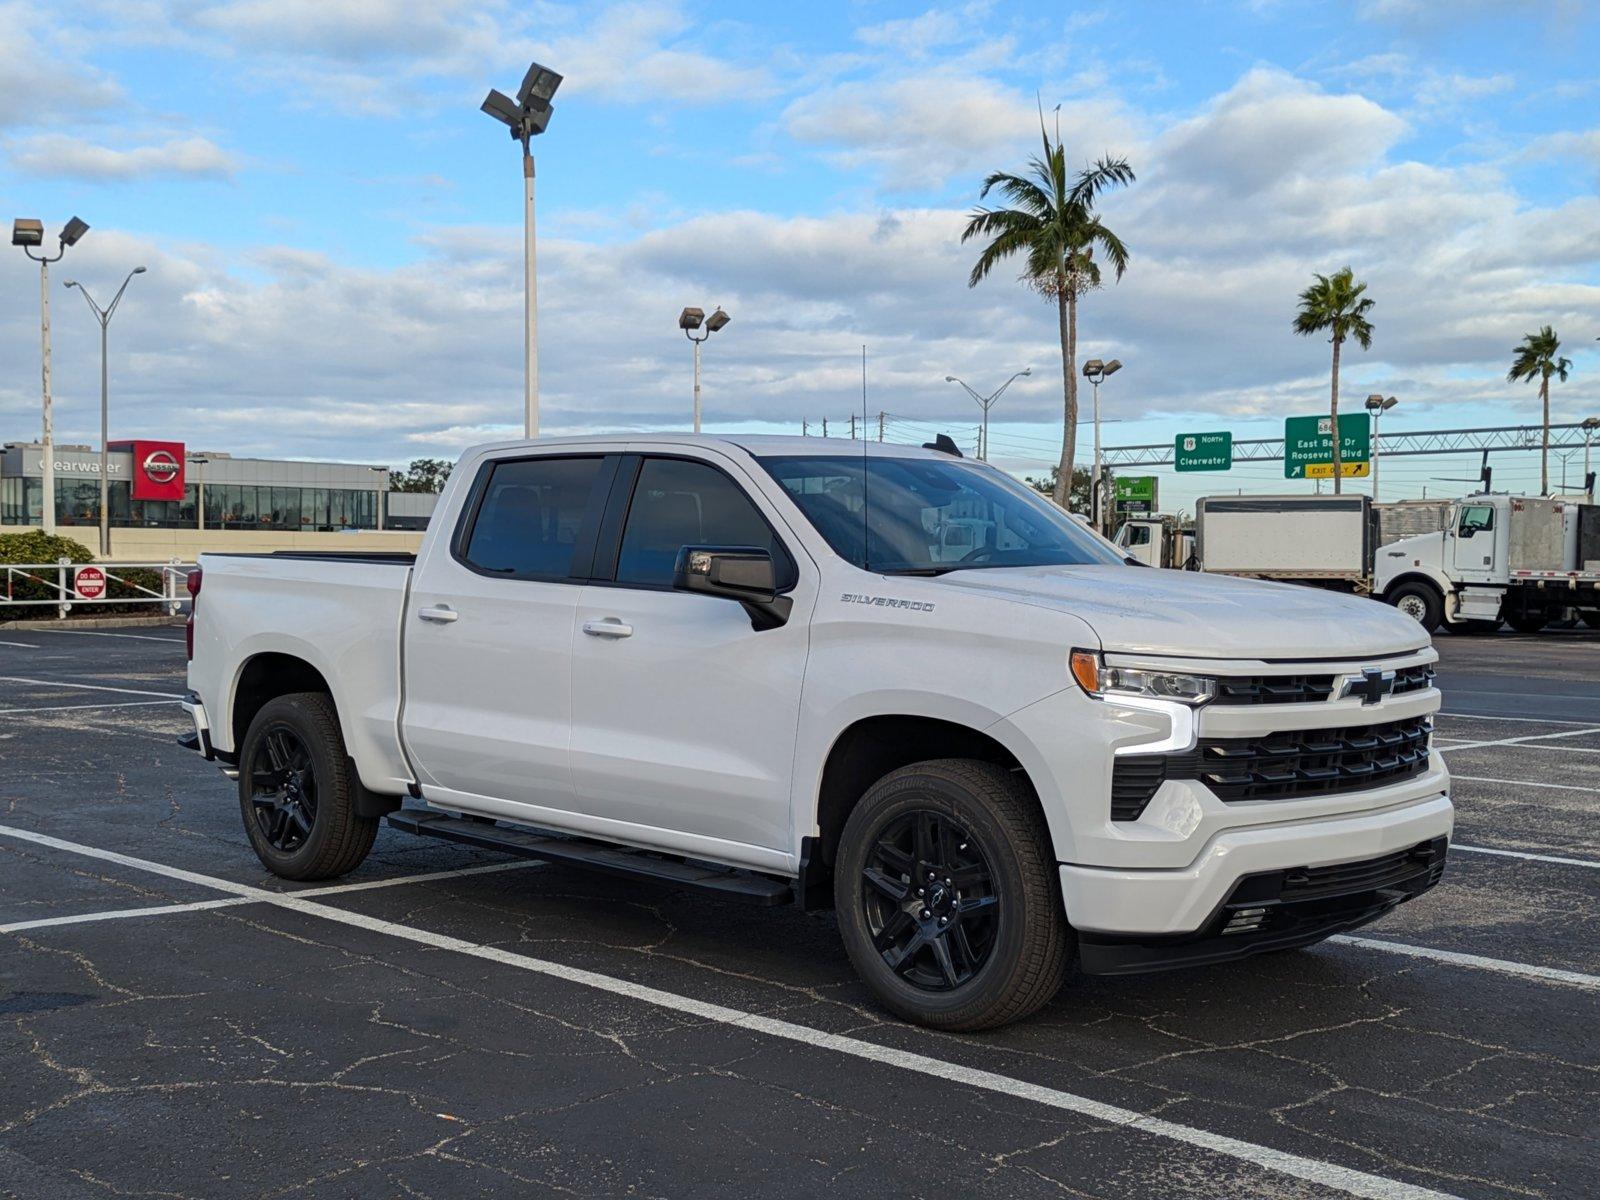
point(742, 573)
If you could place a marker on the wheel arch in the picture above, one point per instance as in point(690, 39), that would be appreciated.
point(269, 674)
point(263, 677)
point(864, 752)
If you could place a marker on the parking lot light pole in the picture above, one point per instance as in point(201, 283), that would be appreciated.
point(1094, 371)
point(986, 403)
point(196, 460)
point(103, 315)
point(383, 492)
point(1377, 406)
point(29, 233)
point(527, 116)
point(689, 320)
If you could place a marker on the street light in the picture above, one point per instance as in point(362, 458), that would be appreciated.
point(29, 233)
point(1094, 371)
point(987, 402)
point(103, 315)
point(1377, 406)
point(527, 116)
point(1590, 424)
point(383, 493)
point(200, 490)
point(689, 320)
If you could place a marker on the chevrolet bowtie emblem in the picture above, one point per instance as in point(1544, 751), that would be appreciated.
point(1372, 685)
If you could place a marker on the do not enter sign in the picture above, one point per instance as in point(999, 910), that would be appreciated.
point(90, 583)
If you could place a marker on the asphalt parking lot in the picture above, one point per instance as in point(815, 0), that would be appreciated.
point(176, 1022)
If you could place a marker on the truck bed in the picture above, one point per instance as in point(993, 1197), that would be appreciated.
point(339, 612)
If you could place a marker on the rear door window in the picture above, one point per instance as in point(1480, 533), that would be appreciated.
point(530, 517)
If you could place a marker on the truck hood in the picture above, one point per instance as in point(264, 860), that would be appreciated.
point(1191, 615)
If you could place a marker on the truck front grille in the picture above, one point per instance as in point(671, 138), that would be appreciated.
point(1306, 689)
point(1279, 766)
point(1274, 689)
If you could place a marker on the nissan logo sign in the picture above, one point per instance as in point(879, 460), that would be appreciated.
point(160, 466)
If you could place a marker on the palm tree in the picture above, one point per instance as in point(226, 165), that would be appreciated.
point(1336, 303)
point(1536, 359)
point(1052, 223)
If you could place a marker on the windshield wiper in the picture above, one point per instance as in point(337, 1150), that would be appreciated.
point(927, 572)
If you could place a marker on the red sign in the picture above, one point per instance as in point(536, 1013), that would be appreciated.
point(90, 583)
point(157, 469)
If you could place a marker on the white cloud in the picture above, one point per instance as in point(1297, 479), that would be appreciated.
point(919, 131)
point(41, 81)
point(60, 156)
point(290, 352)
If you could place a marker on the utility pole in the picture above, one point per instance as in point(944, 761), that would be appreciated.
point(824, 426)
point(880, 427)
point(852, 427)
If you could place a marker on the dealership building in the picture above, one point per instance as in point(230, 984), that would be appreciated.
point(164, 485)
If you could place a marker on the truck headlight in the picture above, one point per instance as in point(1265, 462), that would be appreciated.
point(1103, 682)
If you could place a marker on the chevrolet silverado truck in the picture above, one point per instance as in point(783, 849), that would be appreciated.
point(753, 666)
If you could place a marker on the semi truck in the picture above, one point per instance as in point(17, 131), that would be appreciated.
point(1466, 565)
point(752, 666)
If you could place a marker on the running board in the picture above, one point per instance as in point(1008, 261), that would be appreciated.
point(613, 860)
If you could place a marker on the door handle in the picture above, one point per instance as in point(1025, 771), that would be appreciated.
point(443, 614)
point(609, 628)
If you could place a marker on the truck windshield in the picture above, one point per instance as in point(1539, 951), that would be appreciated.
point(927, 516)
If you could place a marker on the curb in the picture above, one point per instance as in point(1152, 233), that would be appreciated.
point(72, 623)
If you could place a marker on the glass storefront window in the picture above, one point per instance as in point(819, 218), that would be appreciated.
point(227, 506)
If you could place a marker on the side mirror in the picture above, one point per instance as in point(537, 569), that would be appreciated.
point(742, 573)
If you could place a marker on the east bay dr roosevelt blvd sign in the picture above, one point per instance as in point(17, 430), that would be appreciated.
point(1308, 446)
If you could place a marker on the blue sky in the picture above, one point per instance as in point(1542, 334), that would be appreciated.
point(332, 228)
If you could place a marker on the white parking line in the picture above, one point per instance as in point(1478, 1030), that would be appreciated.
point(1526, 970)
point(1549, 858)
point(1556, 787)
point(1524, 720)
point(1516, 741)
point(157, 910)
point(88, 687)
point(20, 645)
point(1326, 1174)
point(118, 914)
point(81, 707)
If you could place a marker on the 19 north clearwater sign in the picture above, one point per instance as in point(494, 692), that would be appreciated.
point(1202, 452)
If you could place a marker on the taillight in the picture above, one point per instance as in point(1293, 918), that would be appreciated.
point(194, 582)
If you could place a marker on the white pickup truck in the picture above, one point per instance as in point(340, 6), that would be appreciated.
point(749, 665)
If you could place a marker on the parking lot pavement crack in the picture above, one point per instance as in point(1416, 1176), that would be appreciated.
point(1393, 1165)
point(110, 1188)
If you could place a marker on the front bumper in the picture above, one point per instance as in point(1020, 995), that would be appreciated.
point(1277, 910)
point(1137, 903)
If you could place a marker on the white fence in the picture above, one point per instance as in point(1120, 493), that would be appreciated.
point(70, 585)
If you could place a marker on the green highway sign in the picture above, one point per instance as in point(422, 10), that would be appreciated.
point(1308, 445)
point(1202, 452)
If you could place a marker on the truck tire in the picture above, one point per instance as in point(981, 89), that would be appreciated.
point(297, 791)
point(947, 896)
point(1590, 617)
point(1480, 628)
point(1420, 602)
point(1528, 622)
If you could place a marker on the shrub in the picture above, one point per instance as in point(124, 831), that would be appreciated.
point(37, 546)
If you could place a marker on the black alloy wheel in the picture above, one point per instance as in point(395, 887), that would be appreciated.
point(283, 789)
point(930, 901)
